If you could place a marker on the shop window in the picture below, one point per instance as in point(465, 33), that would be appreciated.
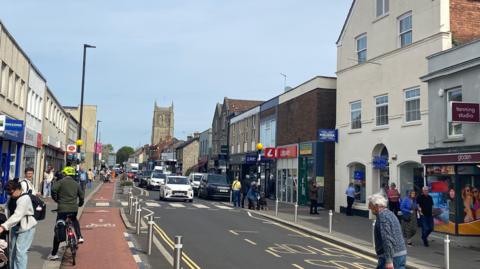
point(357, 177)
point(454, 128)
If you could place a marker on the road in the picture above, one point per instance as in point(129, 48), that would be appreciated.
point(215, 235)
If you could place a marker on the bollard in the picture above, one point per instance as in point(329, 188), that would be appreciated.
point(446, 242)
point(276, 208)
point(373, 233)
point(139, 220)
point(150, 234)
point(296, 212)
point(135, 208)
point(177, 252)
point(231, 197)
point(330, 221)
point(130, 203)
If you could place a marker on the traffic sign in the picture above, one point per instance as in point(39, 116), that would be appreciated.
point(71, 148)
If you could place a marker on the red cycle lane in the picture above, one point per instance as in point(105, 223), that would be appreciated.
point(102, 227)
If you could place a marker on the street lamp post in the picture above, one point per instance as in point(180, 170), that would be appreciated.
point(96, 145)
point(259, 152)
point(85, 46)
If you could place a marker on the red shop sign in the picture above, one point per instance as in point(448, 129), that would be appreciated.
point(465, 112)
point(451, 158)
point(270, 153)
point(287, 152)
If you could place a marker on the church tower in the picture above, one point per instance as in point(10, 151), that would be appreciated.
point(162, 127)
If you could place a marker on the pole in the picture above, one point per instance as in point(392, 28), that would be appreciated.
point(330, 221)
point(296, 200)
point(136, 208)
point(150, 234)
point(446, 245)
point(276, 207)
point(373, 233)
point(85, 46)
point(96, 143)
point(139, 219)
point(177, 252)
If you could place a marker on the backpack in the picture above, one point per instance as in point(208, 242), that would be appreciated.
point(39, 206)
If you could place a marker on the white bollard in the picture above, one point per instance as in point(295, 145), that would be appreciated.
point(150, 234)
point(276, 208)
point(177, 252)
point(446, 244)
point(139, 219)
point(330, 221)
point(296, 212)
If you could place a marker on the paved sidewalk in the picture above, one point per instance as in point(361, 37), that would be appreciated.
point(43, 240)
point(358, 230)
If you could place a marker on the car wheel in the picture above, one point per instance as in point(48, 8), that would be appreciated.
point(190, 201)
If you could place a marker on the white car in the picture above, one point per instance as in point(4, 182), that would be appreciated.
point(176, 188)
point(156, 180)
point(195, 179)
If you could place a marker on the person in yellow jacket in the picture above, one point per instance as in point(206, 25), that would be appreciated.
point(236, 186)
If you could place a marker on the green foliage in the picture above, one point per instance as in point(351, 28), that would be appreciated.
point(123, 153)
point(126, 183)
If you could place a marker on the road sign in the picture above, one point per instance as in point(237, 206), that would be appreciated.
point(71, 148)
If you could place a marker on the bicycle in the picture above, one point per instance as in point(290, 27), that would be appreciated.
point(72, 241)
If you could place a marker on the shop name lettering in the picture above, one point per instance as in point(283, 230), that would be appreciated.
point(18, 125)
point(466, 112)
point(464, 157)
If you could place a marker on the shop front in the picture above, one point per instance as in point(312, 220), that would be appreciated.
point(11, 142)
point(287, 173)
point(31, 155)
point(54, 154)
point(454, 181)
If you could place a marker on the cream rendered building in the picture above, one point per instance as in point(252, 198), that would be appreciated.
point(382, 106)
point(90, 125)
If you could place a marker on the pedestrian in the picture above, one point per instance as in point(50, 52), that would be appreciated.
point(20, 223)
point(252, 196)
point(69, 197)
point(409, 216)
point(83, 178)
point(313, 195)
point(425, 206)
point(389, 243)
point(47, 182)
point(27, 184)
point(393, 199)
point(350, 192)
point(244, 190)
point(90, 177)
point(236, 187)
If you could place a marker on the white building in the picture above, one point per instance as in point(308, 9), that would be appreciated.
point(382, 106)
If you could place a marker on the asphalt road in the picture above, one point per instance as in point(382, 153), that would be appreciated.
point(216, 235)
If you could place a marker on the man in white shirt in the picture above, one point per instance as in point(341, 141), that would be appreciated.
point(27, 184)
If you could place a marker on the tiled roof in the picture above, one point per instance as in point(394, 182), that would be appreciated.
point(238, 106)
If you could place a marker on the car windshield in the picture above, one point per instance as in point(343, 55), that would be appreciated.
point(197, 177)
point(177, 180)
point(217, 179)
point(158, 175)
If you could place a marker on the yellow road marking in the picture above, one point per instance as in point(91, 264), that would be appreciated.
point(250, 241)
point(297, 266)
point(273, 253)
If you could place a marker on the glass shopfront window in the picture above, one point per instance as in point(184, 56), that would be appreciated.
point(357, 177)
point(285, 185)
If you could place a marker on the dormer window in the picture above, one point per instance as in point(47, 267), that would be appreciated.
point(382, 7)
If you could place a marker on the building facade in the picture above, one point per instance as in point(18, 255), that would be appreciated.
point(382, 108)
point(268, 138)
point(163, 124)
point(187, 155)
point(90, 125)
point(205, 150)
point(452, 158)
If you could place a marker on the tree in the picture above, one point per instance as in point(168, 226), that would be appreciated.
point(106, 150)
point(123, 153)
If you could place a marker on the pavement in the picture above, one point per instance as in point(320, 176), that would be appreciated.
point(216, 235)
point(43, 240)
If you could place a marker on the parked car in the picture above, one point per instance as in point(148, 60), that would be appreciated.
point(195, 179)
point(142, 181)
point(137, 176)
point(214, 186)
point(156, 179)
point(176, 188)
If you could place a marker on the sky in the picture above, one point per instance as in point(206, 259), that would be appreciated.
point(189, 52)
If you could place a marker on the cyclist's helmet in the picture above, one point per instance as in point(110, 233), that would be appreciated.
point(68, 171)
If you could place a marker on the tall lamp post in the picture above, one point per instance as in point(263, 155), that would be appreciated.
point(79, 140)
point(259, 152)
point(96, 146)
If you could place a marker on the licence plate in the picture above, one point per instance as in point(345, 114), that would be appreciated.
point(223, 190)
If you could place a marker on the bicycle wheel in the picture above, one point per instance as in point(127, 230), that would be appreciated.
point(73, 250)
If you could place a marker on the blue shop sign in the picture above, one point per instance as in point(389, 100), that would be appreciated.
point(12, 129)
point(328, 135)
point(358, 175)
point(252, 159)
point(380, 162)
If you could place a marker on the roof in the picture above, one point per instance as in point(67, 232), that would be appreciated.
point(346, 21)
point(186, 143)
point(238, 106)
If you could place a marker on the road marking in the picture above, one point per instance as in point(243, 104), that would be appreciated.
point(249, 214)
point(137, 258)
point(102, 204)
point(125, 234)
point(124, 203)
point(152, 204)
point(200, 206)
point(273, 253)
point(176, 205)
point(223, 207)
point(233, 232)
point(130, 244)
point(297, 266)
point(250, 241)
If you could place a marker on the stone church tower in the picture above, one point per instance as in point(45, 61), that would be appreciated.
point(162, 126)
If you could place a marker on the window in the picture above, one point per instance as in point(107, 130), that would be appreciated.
point(405, 33)
point(22, 94)
point(362, 48)
point(454, 128)
point(382, 7)
point(412, 105)
point(356, 114)
point(11, 86)
point(381, 109)
point(3, 78)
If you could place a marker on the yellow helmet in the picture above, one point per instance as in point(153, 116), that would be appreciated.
point(68, 171)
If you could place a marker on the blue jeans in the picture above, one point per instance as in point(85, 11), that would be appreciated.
point(236, 198)
point(47, 189)
point(398, 262)
point(427, 226)
point(20, 244)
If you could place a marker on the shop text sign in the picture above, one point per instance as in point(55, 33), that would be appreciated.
point(465, 112)
point(270, 153)
point(452, 158)
point(328, 135)
point(282, 152)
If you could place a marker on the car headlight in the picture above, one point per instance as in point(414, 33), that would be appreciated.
point(190, 189)
point(167, 188)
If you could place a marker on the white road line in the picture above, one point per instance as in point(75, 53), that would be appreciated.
point(223, 207)
point(102, 204)
point(273, 253)
point(130, 244)
point(137, 259)
point(249, 214)
point(233, 232)
point(250, 241)
point(297, 266)
point(176, 205)
point(124, 203)
point(200, 206)
point(152, 204)
point(125, 234)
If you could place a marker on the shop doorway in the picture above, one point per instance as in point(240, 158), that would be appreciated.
point(410, 177)
point(381, 168)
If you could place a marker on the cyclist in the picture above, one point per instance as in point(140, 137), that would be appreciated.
point(69, 196)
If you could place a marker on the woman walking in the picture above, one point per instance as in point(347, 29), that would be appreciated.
point(47, 182)
point(409, 216)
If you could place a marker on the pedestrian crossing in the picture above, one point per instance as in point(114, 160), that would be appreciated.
point(173, 205)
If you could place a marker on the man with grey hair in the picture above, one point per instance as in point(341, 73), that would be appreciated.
point(389, 243)
point(425, 204)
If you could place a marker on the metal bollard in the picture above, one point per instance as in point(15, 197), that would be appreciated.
point(276, 208)
point(373, 233)
point(296, 212)
point(330, 221)
point(130, 202)
point(139, 219)
point(446, 245)
point(177, 252)
point(150, 234)
point(135, 208)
